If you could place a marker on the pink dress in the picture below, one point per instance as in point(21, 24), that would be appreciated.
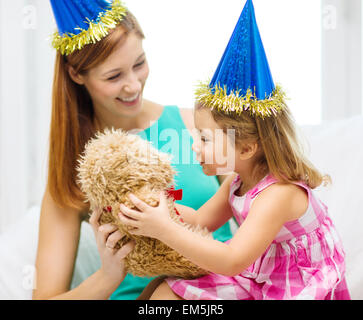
point(305, 260)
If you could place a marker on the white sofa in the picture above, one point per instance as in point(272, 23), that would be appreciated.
point(335, 148)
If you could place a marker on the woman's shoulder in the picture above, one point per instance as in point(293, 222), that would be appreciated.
point(52, 210)
point(156, 111)
point(152, 109)
point(188, 118)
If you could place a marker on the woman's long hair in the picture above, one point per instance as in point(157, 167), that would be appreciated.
point(72, 120)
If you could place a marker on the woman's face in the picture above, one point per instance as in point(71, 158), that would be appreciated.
point(116, 85)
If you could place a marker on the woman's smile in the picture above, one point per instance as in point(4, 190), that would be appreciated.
point(131, 101)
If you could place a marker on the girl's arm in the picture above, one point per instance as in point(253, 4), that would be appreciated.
point(59, 232)
point(214, 213)
point(222, 178)
point(270, 210)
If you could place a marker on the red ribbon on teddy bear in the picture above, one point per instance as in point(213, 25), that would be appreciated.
point(176, 195)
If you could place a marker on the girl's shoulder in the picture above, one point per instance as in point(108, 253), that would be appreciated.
point(228, 183)
point(291, 199)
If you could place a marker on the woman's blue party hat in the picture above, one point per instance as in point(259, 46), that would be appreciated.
point(243, 81)
point(81, 22)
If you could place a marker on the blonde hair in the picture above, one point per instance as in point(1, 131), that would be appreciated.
point(282, 153)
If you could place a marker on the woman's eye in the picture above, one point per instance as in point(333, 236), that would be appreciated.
point(114, 77)
point(139, 64)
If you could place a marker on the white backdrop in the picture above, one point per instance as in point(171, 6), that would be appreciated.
point(184, 43)
point(186, 39)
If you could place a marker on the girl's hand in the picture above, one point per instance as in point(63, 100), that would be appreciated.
point(112, 259)
point(149, 221)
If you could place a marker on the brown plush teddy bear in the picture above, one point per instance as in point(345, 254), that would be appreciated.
point(116, 164)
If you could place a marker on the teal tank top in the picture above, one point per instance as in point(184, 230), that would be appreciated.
point(170, 135)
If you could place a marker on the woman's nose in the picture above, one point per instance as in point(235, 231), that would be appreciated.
point(132, 84)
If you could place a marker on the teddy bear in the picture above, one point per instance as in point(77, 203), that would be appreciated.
point(116, 163)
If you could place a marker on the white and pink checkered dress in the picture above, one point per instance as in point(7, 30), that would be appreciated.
point(305, 261)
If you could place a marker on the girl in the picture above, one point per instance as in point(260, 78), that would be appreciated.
point(96, 86)
point(286, 246)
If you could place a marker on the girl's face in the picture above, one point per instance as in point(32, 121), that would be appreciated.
point(116, 85)
point(215, 149)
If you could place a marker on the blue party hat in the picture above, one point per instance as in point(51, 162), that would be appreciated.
point(243, 81)
point(81, 22)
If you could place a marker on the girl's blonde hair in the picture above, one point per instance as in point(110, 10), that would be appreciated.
point(72, 120)
point(282, 155)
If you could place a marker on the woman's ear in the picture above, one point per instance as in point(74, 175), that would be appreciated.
point(76, 77)
point(248, 150)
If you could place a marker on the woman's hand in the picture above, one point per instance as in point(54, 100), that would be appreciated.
point(112, 259)
point(149, 221)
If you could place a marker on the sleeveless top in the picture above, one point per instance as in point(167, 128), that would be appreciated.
point(170, 135)
point(306, 260)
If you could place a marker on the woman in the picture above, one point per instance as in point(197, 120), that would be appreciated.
point(100, 85)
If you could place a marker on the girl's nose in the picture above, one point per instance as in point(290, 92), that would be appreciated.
point(195, 147)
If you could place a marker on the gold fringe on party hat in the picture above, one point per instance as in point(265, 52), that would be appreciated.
point(82, 22)
point(243, 81)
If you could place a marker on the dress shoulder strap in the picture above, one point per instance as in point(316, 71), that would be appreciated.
point(262, 185)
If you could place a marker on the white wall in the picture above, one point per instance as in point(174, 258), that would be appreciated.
point(341, 58)
point(26, 64)
point(13, 124)
point(185, 40)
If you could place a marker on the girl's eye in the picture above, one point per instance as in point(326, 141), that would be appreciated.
point(204, 139)
point(114, 77)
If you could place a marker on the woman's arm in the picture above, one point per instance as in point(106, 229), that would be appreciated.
point(59, 232)
point(270, 210)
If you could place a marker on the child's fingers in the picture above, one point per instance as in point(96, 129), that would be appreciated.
point(142, 206)
point(162, 199)
point(132, 214)
point(124, 219)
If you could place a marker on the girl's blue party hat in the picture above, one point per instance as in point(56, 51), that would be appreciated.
point(81, 22)
point(243, 81)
